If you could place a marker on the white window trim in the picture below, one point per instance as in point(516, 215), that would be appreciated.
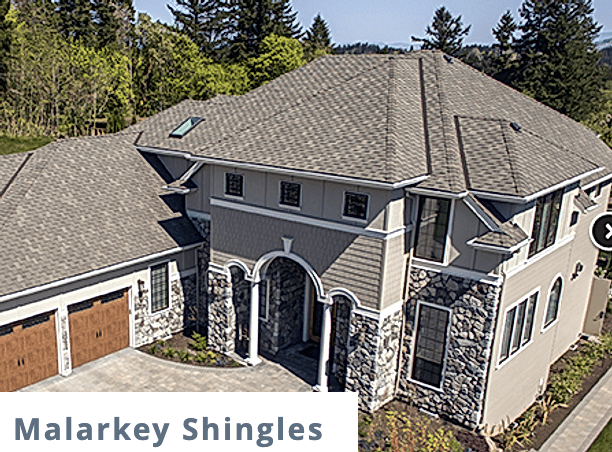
point(280, 193)
point(150, 303)
point(553, 323)
point(225, 194)
point(264, 318)
point(414, 337)
point(447, 242)
point(511, 356)
point(357, 220)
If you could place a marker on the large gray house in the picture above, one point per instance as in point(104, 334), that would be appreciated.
point(405, 225)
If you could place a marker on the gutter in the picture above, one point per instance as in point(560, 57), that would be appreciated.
point(101, 271)
point(499, 249)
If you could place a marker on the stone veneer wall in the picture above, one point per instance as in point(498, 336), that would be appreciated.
point(285, 306)
point(64, 343)
point(202, 260)
point(372, 358)
point(180, 315)
point(241, 300)
point(221, 313)
point(474, 308)
point(341, 337)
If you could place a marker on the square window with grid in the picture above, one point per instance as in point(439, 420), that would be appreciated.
point(290, 193)
point(159, 288)
point(430, 346)
point(234, 184)
point(432, 227)
point(355, 205)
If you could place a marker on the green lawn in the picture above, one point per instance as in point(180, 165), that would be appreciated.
point(9, 145)
point(603, 443)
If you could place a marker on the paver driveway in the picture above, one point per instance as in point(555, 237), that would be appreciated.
point(132, 371)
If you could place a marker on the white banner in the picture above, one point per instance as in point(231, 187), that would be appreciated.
point(113, 422)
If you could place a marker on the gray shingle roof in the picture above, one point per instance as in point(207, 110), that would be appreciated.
point(390, 118)
point(80, 205)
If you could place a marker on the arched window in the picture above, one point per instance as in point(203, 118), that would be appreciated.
point(553, 303)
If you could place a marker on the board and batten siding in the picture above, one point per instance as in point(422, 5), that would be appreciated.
point(341, 259)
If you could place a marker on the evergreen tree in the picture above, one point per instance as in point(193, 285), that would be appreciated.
point(504, 59)
point(5, 42)
point(113, 21)
point(76, 20)
point(202, 21)
point(251, 21)
point(446, 33)
point(318, 40)
point(558, 58)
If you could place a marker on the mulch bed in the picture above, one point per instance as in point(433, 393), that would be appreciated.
point(182, 341)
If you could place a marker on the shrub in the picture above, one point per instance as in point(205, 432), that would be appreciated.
point(153, 349)
point(200, 343)
point(169, 352)
point(184, 355)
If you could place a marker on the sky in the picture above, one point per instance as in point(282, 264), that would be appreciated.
point(394, 21)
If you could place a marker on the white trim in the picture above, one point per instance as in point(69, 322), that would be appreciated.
point(522, 347)
point(150, 303)
point(198, 215)
point(280, 195)
point(562, 184)
point(343, 206)
point(180, 191)
point(287, 216)
point(58, 341)
point(286, 171)
point(191, 171)
point(422, 264)
point(449, 230)
point(446, 346)
point(545, 327)
point(93, 273)
point(432, 193)
point(499, 197)
point(481, 214)
point(216, 268)
point(598, 181)
point(499, 249)
point(230, 196)
point(540, 255)
point(236, 263)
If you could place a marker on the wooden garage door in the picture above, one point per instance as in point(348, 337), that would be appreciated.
point(99, 327)
point(28, 352)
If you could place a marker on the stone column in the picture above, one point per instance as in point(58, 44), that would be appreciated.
point(324, 350)
point(253, 359)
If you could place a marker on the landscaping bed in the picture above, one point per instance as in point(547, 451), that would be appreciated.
point(188, 347)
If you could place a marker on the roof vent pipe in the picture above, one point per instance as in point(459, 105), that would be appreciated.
point(448, 59)
point(515, 126)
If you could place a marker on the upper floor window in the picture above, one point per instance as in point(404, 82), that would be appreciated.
point(234, 184)
point(545, 222)
point(355, 205)
point(518, 327)
point(432, 227)
point(430, 345)
point(290, 193)
point(552, 309)
point(185, 127)
point(159, 287)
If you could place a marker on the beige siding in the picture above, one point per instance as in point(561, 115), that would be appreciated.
point(514, 385)
point(200, 199)
point(342, 260)
point(176, 165)
point(393, 272)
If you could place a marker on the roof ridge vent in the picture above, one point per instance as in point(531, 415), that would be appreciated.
point(515, 126)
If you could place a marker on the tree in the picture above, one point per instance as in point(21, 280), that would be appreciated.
point(558, 57)
point(278, 55)
point(5, 42)
point(446, 33)
point(76, 20)
point(318, 40)
point(504, 59)
point(202, 21)
point(250, 21)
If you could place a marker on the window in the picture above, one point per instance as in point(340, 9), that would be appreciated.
point(159, 287)
point(430, 345)
point(432, 227)
point(290, 193)
point(553, 303)
point(185, 127)
point(545, 222)
point(355, 205)
point(574, 218)
point(518, 327)
point(234, 184)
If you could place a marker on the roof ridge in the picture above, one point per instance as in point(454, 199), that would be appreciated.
point(297, 103)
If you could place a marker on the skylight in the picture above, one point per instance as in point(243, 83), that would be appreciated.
point(185, 127)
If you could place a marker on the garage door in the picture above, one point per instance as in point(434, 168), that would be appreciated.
point(28, 352)
point(99, 327)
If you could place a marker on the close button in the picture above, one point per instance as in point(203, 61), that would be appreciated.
point(601, 231)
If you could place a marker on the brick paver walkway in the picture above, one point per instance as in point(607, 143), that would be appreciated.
point(585, 422)
point(132, 371)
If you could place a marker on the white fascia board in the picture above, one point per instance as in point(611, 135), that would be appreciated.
point(180, 191)
point(498, 249)
point(93, 273)
point(191, 171)
point(437, 193)
point(563, 184)
point(606, 178)
point(481, 214)
point(291, 172)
